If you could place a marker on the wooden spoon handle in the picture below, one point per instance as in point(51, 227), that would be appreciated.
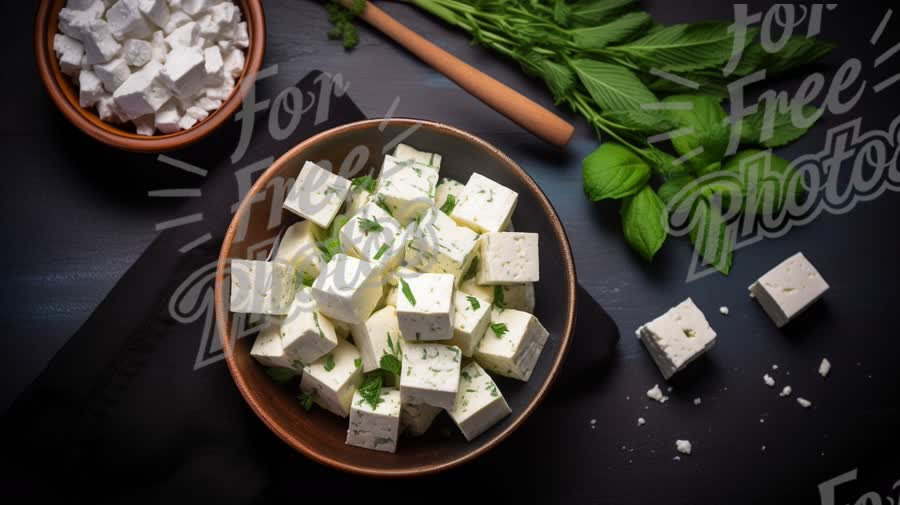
point(502, 98)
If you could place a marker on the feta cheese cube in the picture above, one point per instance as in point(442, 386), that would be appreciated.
point(405, 152)
point(438, 245)
point(213, 66)
point(142, 93)
point(70, 52)
point(145, 125)
point(207, 104)
point(81, 5)
point(108, 110)
point(788, 289)
point(348, 289)
point(306, 334)
point(260, 287)
point(446, 189)
point(167, 118)
point(677, 337)
point(113, 73)
point(479, 404)
point(156, 11)
point(425, 306)
point(357, 198)
point(374, 236)
point(416, 419)
point(406, 188)
point(136, 52)
point(186, 35)
point(510, 296)
point(512, 343)
point(220, 93)
point(158, 47)
point(317, 194)
point(268, 351)
point(197, 7)
point(184, 71)
point(508, 258)
point(379, 335)
point(99, 44)
point(333, 379)
point(430, 374)
point(221, 21)
point(90, 89)
point(484, 205)
point(241, 35)
point(375, 428)
point(125, 20)
point(299, 250)
point(75, 23)
point(177, 19)
point(471, 316)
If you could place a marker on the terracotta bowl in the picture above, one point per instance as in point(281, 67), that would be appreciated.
point(65, 93)
point(353, 150)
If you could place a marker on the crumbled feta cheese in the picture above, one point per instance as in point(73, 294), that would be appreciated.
point(113, 73)
point(183, 71)
point(804, 402)
point(70, 53)
point(655, 393)
point(125, 20)
point(769, 380)
point(90, 89)
point(683, 446)
point(641, 421)
point(136, 52)
point(785, 391)
point(677, 337)
point(142, 93)
point(824, 367)
point(789, 288)
point(156, 11)
point(168, 118)
point(697, 401)
point(724, 310)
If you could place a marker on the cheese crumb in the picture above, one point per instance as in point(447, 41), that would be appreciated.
point(769, 380)
point(641, 421)
point(824, 367)
point(683, 446)
point(804, 403)
point(697, 401)
point(785, 392)
point(724, 310)
point(774, 367)
point(656, 394)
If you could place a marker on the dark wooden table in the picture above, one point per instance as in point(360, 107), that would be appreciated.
point(73, 224)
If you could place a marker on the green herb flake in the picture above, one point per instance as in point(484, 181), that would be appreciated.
point(384, 206)
point(370, 390)
point(473, 302)
point(357, 363)
point(318, 327)
point(449, 205)
point(366, 182)
point(499, 301)
point(306, 399)
point(367, 225)
point(381, 250)
point(499, 329)
point(329, 363)
point(404, 287)
point(280, 375)
point(472, 271)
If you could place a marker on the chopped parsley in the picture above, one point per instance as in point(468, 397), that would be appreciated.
point(473, 302)
point(316, 320)
point(384, 206)
point(381, 250)
point(280, 375)
point(306, 399)
point(357, 363)
point(329, 362)
point(499, 302)
point(492, 388)
point(404, 287)
point(333, 190)
point(367, 225)
point(331, 245)
point(449, 205)
point(472, 271)
point(391, 361)
point(499, 329)
point(466, 376)
point(366, 182)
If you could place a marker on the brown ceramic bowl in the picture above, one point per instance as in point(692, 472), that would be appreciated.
point(65, 93)
point(319, 434)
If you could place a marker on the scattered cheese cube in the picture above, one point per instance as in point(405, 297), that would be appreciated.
point(471, 316)
point(444, 190)
point(512, 344)
point(306, 334)
point(379, 335)
point(268, 351)
point(804, 402)
point(824, 367)
point(484, 205)
point(373, 235)
point(186, 35)
point(99, 44)
point(785, 392)
point(769, 380)
point(70, 53)
point(508, 258)
point(375, 428)
point(405, 152)
point(406, 188)
point(510, 296)
point(348, 289)
point(184, 71)
point(317, 194)
point(438, 245)
point(142, 93)
point(156, 11)
point(260, 287)
point(333, 379)
point(425, 306)
point(677, 337)
point(125, 20)
point(655, 393)
point(683, 446)
point(416, 419)
point(479, 404)
point(221, 21)
point(90, 88)
point(430, 374)
point(788, 289)
point(299, 249)
point(113, 73)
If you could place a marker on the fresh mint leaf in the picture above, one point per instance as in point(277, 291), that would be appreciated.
point(672, 187)
point(640, 121)
point(595, 12)
point(613, 87)
point(776, 128)
point(767, 181)
point(558, 77)
point(618, 30)
point(449, 205)
point(329, 363)
point(679, 48)
point(370, 389)
point(280, 375)
point(663, 163)
point(331, 245)
point(306, 400)
point(711, 236)
point(366, 182)
point(707, 119)
point(407, 292)
point(644, 221)
point(499, 329)
point(797, 51)
point(390, 363)
point(367, 225)
point(613, 172)
point(473, 302)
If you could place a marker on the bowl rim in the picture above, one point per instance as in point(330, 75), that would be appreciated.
point(111, 134)
point(223, 321)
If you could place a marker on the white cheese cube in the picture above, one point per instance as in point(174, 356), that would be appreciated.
point(184, 71)
point(406, 188)
point(447, 189)
point(197, 7)
point(90, 89)
point(186, 35)
point(375, 428)
point(317, 194)
point(373, 235)
point(207, 104)
point(108, 110)
point(425, 306)
point(145, 125)
point(512, 343)
point(260, 287)
point(76, 23)
point(268, 351)
point(158, 47)
point(142, 93)
point(221, 21)
point(333, 379)
point(156, 11)
point(177, 19)
point(113, 73)
point(416, 419)
point(789, 288)
point(379, 335)
point(391, 297)
point(241, 35)
point(220, 93)
point(405, 152)
point(167, 118)
point(213, 66)
point(99, 44)
point(70, 52)
point(136, 52)
point(234, 62)
point(479, 404)
point(357, 197)
point(471, 316)
point(438, 245)
point(510, 296)
point(348, 289)
point(306, 334)
point(430, 374)
point(508, 258)
point(195, 113)
point(81, 5)
point(484, 205)
point(125, 20)
point(677, 337)
point(299, 249)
